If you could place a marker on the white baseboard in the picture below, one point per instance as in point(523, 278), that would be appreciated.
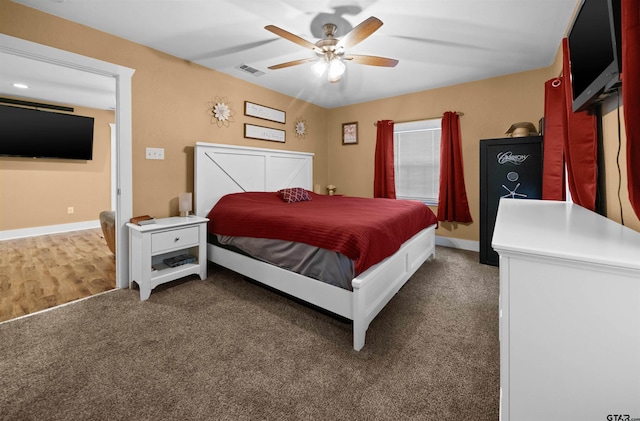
point(457, 243)
point(49, 229)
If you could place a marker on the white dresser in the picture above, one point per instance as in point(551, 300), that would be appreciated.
point(569, 313)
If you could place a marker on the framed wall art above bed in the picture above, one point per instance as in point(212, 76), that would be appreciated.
point(252, 131)
point(266, 113)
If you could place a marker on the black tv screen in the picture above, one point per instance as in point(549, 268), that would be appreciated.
point(594, 51)
point(26, 132)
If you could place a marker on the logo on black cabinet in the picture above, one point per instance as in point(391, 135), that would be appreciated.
point(511, 158)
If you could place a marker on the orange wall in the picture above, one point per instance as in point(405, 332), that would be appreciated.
point(37, 192)
point(170, 102)
point(490, 106)
point(171, 96)
point(617, 192)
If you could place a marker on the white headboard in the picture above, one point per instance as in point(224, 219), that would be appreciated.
point(223, 169)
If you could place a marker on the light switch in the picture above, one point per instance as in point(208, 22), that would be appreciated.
point(155, 153)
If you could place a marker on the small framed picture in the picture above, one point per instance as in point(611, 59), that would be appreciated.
point(350, 133)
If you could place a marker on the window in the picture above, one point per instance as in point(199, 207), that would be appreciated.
point(416, 148)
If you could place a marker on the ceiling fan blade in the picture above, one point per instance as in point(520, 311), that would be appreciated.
point(293, 38)
point(291, 63)
point(372, 60)
point(360, 33)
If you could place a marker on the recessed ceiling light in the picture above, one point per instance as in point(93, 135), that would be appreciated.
point(21, 85)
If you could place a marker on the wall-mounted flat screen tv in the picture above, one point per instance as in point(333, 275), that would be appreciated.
point(26, 132)
point(594, 52)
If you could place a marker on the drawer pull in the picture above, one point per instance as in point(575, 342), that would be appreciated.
point(176, 239)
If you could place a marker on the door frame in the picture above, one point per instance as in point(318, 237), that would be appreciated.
point(123, 136)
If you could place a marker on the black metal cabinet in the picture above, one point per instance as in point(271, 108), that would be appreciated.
point(509, 168)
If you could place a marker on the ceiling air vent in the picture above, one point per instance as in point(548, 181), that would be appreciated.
point(249, 69)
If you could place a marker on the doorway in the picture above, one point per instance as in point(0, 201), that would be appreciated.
point(123, 159)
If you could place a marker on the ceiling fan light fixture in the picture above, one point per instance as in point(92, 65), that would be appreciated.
point(331, 50)
point(319, 67)
point(336, 70)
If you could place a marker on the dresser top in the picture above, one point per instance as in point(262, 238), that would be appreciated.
point(564, 230)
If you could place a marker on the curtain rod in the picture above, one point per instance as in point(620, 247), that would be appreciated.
point(375, 123)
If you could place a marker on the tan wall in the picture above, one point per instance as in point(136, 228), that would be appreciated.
point(170, 97)
point(617, 192)
point(170, 112)
point(490, 106)
point(37, 192)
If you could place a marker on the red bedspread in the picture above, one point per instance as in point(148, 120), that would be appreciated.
point(365, 230)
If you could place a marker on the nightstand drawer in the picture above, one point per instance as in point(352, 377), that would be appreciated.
point(178, 238)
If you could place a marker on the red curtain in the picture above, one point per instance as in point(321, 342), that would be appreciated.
point(579, 136)
point(631, 96)
point(384, 184)
point(452, 202)
point(580, 147)
point(555, 131)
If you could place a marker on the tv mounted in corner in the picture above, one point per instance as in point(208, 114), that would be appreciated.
point(594, 52)
point(30, 133)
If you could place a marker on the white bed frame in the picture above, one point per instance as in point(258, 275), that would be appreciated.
point(223, 169)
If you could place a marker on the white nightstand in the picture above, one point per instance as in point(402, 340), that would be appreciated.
point(150, 245)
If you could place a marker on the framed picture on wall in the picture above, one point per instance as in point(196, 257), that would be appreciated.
point(350, 133)
point(251, 131)
point(265, 113)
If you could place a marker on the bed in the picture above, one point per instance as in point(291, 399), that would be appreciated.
point(223, 170)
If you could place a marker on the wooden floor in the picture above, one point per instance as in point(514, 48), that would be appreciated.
point(45, 271)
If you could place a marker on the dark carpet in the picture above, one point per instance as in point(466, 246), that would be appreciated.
point(228, 349)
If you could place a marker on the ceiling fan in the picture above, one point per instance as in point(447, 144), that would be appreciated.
point(330, 51)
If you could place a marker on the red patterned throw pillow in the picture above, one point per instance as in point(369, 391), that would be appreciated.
point(294, 194)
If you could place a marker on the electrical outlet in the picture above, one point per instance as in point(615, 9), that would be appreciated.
point(155, 153)
point(70, 210)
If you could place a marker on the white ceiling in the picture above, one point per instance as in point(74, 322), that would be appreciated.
point(437, 42)
point(53, 83)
